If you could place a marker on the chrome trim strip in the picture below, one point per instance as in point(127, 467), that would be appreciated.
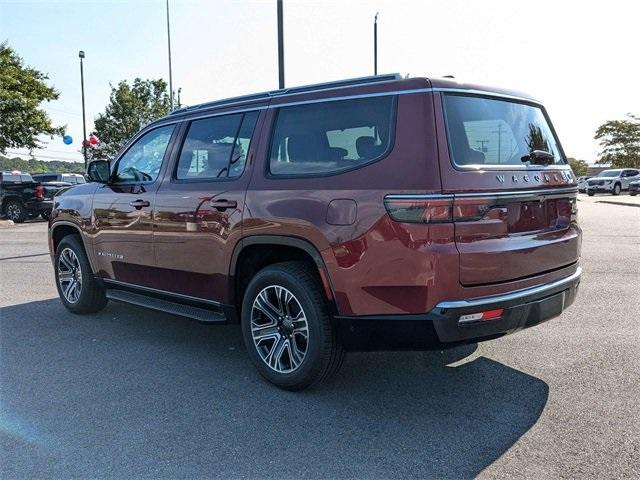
point(191, 116)
point(542, 192)
point(203, 109)
point(162, 292)
point(518, 294)
point(352, 97)
point(521, 193)
point(435, 196)
point(483, 93)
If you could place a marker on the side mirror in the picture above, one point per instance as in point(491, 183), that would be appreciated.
point(99, 171)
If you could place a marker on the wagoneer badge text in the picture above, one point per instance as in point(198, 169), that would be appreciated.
point(545, 177)
point(117, 256)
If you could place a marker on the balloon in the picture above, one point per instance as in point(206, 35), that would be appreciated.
point(67, 139)
point(93, 140)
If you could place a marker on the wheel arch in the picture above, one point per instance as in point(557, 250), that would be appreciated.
point(62, 229)
point(266, 250)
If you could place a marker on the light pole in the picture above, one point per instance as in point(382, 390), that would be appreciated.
point(375, 44)
point(169, 49)
point(280, 47)
point(84, 121)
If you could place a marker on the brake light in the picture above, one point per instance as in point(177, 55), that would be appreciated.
point(481, 316)
point(39, 191)
point(419, 209)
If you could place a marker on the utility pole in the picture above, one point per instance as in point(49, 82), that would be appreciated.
point(375, 44)
point(169, 49)
point(280, 47)
point(84, 121)
point(499, 132)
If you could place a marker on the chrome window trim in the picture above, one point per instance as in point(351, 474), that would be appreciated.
point(482, 93)
point(352, 97)
point(516, 295)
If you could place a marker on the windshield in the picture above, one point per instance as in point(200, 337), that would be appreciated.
point(610, 173)
point(485, 131)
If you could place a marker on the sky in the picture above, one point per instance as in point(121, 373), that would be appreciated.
point(579, 57)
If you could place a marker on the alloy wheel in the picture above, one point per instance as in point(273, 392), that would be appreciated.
point(14, 211)
point(69, 275)
point(279, 329)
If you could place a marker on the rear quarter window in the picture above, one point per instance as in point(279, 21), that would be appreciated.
point(492, 131)
point(330, 137)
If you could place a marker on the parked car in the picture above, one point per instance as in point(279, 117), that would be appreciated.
point(634, 188)
point(612, 181)
point(354, 215)
point(69, 178)
point(582, 184)
point(22, 198)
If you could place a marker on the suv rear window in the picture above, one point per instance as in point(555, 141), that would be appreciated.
point(331, 137)
point(486, 131)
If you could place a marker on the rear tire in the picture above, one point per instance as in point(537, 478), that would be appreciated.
point(287, 329)
point(617, 188)
point(79, 291)
point(633, 194)
point(15, 210)
point(591, 194)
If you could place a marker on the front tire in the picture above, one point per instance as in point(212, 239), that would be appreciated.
point(79, 291)
point(286, 326)
point(617, 188)
point(591, 194)
point(14, 210)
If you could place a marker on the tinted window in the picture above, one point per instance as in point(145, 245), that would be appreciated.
point(142, 162)
point(11, 178)
point(216, 147)
point(485, 131)
point(330, 137)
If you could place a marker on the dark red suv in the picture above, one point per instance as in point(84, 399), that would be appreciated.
point(375, 213)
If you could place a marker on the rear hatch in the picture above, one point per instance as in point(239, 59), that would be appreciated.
point(514, 197)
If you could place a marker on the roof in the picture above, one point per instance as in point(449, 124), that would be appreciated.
point(372, 84)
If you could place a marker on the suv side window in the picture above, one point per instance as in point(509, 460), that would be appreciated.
point(216, 148)
point(142, 161)
point(330, 137)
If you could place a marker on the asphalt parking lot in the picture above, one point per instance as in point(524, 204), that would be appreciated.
point(130, 393)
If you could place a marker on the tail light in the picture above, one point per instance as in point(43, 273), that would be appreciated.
point(437, 208)
point(419, 209)
point(39, 191)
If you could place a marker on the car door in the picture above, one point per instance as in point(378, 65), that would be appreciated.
point(122, 209)
point(199, 206)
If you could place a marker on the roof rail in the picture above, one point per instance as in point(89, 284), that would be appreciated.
point(292, 90)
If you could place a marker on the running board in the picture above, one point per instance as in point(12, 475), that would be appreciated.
point(167, 306)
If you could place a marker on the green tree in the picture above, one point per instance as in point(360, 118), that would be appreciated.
point(579, 167)
point(130, 107)
point(39, 166)
point(620, 142)
point(22, 90)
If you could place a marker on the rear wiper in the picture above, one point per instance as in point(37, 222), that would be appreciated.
point(539, 157)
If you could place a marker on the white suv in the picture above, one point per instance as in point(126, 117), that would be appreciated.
point(612, 181)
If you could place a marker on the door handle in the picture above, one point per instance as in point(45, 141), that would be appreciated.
point(222, 204)
point(138, 204)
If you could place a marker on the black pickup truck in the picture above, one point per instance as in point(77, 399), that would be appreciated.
point(21, 197)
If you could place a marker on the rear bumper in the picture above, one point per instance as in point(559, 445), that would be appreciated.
point(39, 205)
point(441, 327)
